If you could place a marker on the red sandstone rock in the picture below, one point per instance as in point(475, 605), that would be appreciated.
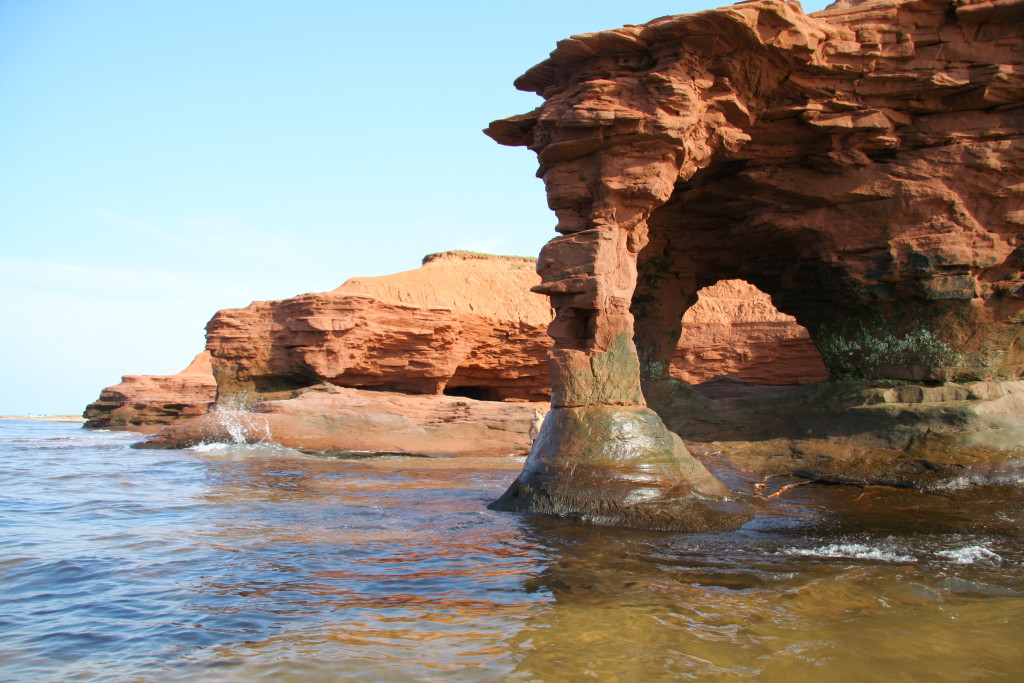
point(349, 422)
point(464, 323)
point(461, 324)
point(145, 403)
point(861, 165)
point(864, 166)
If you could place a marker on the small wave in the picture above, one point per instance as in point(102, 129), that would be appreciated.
point(857, 551)
point(244, 449)
point(972, 554)
point(1009, 473)
point(212, 447)
point(243, 427)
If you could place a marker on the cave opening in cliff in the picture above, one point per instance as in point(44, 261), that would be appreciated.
point(477, 393)
point(697, 318)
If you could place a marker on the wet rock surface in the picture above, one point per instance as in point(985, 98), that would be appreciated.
point(329, 420)
point(862, 432)
point(619, 467)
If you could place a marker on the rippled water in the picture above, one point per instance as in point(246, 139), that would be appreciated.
point(242, 564)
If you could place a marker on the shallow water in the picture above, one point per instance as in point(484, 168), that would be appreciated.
point(256, 563)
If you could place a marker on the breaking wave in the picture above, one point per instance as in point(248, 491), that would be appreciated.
point(241, 426)
point(972, 554)
point(1009, 473)
point(980, 554)
point(858, 551)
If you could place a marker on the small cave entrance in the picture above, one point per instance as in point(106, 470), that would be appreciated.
point(477, 393)
point(733, 328)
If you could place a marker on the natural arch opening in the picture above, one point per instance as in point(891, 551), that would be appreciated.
point(734, 329)
point(713, 236)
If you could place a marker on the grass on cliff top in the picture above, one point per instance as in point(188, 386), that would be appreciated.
point(460, 253)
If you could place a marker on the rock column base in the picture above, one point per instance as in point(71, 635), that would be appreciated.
point(619, 466)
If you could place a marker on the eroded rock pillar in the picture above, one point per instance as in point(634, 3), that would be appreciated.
point(602, 455)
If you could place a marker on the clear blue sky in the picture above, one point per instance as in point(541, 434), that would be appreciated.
point(163, 159)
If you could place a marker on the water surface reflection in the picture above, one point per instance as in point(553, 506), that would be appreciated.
point(224, 564)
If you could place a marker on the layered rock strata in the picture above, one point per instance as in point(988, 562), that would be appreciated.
point(341, 422)
point(145, 403)
point(490, 342)
point(733, 329)
point(863, 166)
point(463, 324)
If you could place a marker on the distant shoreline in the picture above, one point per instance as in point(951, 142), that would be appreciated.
point(45, 418)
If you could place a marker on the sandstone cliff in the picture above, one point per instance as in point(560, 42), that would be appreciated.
point(462, 324)
point(862, 165)
point(734, 329)
point(145, 403)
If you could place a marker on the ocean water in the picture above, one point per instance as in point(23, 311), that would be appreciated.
point(257, 563)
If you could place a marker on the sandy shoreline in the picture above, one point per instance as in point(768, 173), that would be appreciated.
point(45, 418)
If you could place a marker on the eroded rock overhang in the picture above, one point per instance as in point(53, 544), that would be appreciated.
point(862, 165)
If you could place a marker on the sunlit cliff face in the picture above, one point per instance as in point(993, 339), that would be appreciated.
point(854, 163)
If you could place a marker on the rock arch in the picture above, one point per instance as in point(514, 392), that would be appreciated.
point(862, 165)
point(734, 329)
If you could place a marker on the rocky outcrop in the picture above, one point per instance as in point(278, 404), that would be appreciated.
point(145, 403)
point(463, 324)
point(863, 166)
point(852, 432)
point(341, 422)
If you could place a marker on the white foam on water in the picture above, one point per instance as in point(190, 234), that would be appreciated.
point(243, 427)
point(212, 447)
point(1010, 473)
point(241, 451)
point(858, 551)
point(972, 554)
